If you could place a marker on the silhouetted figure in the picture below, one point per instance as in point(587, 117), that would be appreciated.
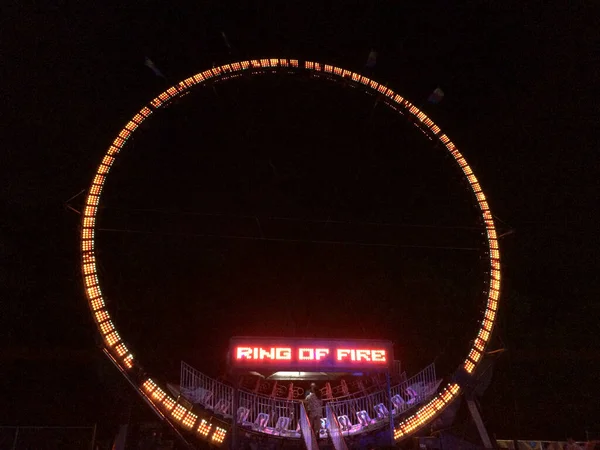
point(314, 408)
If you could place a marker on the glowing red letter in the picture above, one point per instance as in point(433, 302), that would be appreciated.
point(305, 354)
point(283, 353)
point(342, 354)
point(321, 353)
point(363, 354)
point(378, 355)
point(267, 354)
point(243, 353)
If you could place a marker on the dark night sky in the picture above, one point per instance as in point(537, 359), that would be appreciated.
point(521, 86)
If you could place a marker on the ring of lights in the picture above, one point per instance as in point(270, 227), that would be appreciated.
point(180, 415)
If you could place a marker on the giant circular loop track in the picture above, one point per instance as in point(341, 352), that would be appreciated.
point(180, 415)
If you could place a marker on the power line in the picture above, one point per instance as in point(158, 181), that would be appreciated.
point(288, 240)
point(295, 219)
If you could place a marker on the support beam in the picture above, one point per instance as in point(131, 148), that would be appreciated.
point(476, 416)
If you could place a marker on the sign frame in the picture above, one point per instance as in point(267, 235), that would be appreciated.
point(274, 354)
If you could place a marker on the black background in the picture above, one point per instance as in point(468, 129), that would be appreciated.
point(521, 88)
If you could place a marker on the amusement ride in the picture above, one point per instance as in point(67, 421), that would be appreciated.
point(366, 399)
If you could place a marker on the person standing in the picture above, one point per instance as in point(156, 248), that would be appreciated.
point(314, 408)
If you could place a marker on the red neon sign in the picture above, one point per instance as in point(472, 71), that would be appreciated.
point(309, 354)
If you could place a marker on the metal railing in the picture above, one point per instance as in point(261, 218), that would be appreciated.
point(208, 392)
point(279, 416)
point(268, 414)
point(357, 413)
point(417, 389)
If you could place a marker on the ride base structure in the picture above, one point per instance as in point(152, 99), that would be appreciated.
point(362, 392)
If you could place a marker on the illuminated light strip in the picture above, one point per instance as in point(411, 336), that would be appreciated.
point(89, 268)
point(93, 200)
point(149, 386)
point(189, 420)
point(158, 395)
point(91, 280)
point(101, 316)
point(103, 169)
point(204, 428)
point(90, 211)
point(178, 412)
point(128, 361)
point(106, 327)
point(474, 355)
point(479, 344)
point(88, 235)
point(469, 366)
point(487, 324)
point(494, 294)
point(427, 412)
point(121, 350)
point(189, 82)
point(112, 339)
point(96, 304)
point(138, 118)
point(94, 292)
point(99, 179)
point(490, 314)
point(484, 334)
point(219, 435)
point(397, 102)
point(87, 245)
point(88, 257)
